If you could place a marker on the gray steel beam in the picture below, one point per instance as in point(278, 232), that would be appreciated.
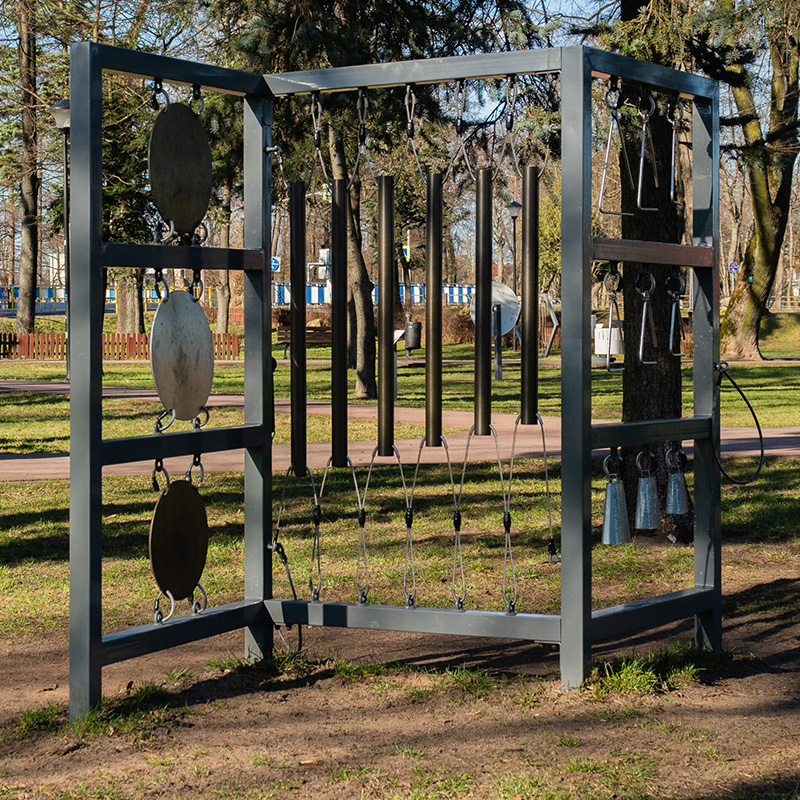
point(497, 624)
point(182, 630)
point(186, 443)
point(430, 70)
point(86, 393)
point(258, 399)
point(576, 386)
point(165, 257)
point(618, 434)
point(623, 250)
point(651, 612)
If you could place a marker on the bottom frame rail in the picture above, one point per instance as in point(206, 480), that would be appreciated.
point(492, 624)
point(652, 612)
point(152, 638)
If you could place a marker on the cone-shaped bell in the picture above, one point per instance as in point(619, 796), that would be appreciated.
point(677, 496)
point(615, 516)
point(648, 516)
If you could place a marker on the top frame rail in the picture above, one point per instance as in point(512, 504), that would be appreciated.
point(484, 67)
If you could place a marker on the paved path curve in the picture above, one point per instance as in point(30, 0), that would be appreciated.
point(739, 441)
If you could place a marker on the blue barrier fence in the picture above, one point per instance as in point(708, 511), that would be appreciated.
point(319, 293)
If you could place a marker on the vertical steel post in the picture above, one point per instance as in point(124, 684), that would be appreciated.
point(86, 394)
point(530, 295)
point(576, 386)
point(339, 324)
point(705, 221)
point(483, 303)
point(297, 323)
point(387, 279)
point(433, 311)
point(258, 388)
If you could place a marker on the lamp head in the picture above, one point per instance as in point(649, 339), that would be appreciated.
point(60, 112)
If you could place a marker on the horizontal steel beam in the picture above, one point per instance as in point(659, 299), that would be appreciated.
point(168, 257)
point(152, 638)
point(497, 624)
point(629, 250)
point(423, 71)
point(619, 434)
point(185, 443)
point(176, 71)
point(651, 612)
point(652, 76)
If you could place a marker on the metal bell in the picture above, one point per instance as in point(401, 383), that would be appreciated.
point(615, 515)
point(648, 514)
point(677, 496)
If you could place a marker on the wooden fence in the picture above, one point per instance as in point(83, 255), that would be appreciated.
point(116, 347)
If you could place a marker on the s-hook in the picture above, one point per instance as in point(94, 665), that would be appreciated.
point(675, 321)
point(613, 100)
point(612, 281)
point(647, 135)
point(647, 310)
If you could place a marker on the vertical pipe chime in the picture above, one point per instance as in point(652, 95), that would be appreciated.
point(386, 293)
point(297, 322)
point(530, 295)
point(339, 324)
point(483, 303)
point(433, 312)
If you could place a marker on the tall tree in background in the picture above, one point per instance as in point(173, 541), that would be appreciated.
point(28, 168)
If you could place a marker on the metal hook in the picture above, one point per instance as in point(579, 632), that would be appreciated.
point(159, 467)
point(158, 89)
point(647, 135)
point(195, 97)
point(612, 281)
point(675, 314)
point(613, 101)
point(675, 163)
point(647, 313)
point(196, 463)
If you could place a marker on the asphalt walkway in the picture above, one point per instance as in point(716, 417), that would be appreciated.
point(13, 467)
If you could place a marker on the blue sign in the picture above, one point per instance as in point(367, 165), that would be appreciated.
point(733, 266)
point(276, 263)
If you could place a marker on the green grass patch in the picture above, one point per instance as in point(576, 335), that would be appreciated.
point(779, 334)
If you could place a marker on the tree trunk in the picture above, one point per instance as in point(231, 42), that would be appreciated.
point(223, 285)
point(360, 284)
point(29, 178)
point(130, 317)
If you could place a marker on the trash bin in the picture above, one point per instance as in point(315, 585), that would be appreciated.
point(413, 335)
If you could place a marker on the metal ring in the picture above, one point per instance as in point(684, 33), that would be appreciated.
point(202, 472)
point(645, 115)
point(679, 108)
point(681, 285)
point(638, 280)
point(158, 614)
point(609, 459)
point(675, 459)
point(196, 424)
point(197, 239)
point(197, 96)
point(612, 275)
point(158, 427)
point(644, 470)
point(159, 467)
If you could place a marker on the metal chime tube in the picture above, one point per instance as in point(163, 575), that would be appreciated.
point(433, 312)
point(387, 279)
point(297, 322)
point(483, 303)
point(530, 295)
point(339, 324)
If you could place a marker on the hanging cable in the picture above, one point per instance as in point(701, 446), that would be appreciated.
point(613, 100)
point(512, 92)
point(316, 121)
point(722, 369)
point(461, 148)
point(362, 105)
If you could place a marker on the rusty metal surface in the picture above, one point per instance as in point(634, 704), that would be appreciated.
point(179, 539)
point(179, 161)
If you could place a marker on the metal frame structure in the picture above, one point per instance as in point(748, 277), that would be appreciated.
point(577, 627)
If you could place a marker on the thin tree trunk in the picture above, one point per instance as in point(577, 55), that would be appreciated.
point(130, 316)
point(29, 178)
point(360, 284)
point(223, 286)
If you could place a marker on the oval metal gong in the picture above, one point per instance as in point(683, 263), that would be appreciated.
point(503, 296)
point(182, 355)
point(179, 161)
point(179, 539)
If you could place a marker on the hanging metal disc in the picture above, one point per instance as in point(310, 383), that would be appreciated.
point(179, 161)
point(503, 296)
point(182, 355)
point(179, 539)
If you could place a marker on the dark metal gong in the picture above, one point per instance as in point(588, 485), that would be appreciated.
point(179, 539)
point(179, 161)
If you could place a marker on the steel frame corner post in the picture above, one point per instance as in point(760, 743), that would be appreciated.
point(483, 302)
point(387, 279)
point(339, 323)
point(433, 311)
point(297, 349)
point(86, 389)
point(258, 390)
point(576, 387)
point(707, 511)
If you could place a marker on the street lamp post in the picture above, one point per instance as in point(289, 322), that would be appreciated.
point(513, 209)
point(60, 112)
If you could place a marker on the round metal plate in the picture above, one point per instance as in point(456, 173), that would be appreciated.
point(503, 296)
point(182, 355)
point(179, 539)
point(179, 161)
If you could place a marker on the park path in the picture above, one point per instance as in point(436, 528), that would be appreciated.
point(13, 467)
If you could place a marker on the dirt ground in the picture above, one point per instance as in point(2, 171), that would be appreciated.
point(337, 730)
